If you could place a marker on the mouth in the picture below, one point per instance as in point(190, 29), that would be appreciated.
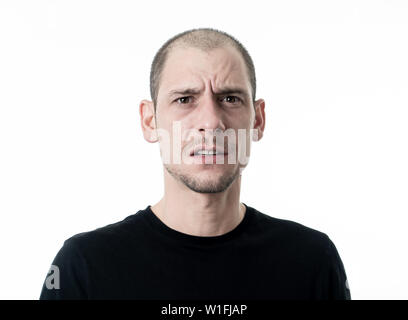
point(203, 154)
point(207, 152)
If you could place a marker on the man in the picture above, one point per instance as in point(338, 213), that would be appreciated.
point(199, 241)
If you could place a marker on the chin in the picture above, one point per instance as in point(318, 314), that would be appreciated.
point(208, 185)
point(205, 182)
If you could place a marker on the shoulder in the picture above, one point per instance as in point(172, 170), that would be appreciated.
point(109, 236)
point(290, 234)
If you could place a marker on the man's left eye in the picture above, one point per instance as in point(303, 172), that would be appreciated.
point(232, 99)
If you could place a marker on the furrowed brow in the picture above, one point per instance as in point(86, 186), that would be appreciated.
point(184, 91)
point(223, 91)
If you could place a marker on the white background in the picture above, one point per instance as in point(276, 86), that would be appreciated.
point(334, 75)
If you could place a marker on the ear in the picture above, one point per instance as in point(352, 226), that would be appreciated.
point(148, 120)
point(259, 120)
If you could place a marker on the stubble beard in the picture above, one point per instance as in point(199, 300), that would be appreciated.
point(197, 185)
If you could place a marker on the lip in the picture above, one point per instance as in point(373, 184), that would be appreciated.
point(220, 151)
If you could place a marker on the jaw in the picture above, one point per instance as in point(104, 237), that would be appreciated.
point(205, 180)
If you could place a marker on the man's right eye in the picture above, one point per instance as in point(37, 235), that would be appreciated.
point(182, 100)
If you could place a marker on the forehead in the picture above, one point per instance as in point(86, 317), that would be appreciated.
point(193, 67)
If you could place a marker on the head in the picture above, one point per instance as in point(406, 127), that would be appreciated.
point(203, 86)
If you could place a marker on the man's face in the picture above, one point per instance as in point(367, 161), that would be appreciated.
point(205, 93)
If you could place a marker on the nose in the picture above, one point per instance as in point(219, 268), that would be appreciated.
point(209, 115)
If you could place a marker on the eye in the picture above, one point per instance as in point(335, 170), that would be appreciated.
point(232, 99)
point(182, 100)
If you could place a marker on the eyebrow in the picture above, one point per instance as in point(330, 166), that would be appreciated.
point(225, 90)
point(184, 91)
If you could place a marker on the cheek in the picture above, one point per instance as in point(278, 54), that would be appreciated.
point(242, 118)
point(244, 140)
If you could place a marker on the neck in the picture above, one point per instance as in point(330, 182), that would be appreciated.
point(199, 214)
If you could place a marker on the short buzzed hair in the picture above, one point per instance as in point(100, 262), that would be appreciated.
point(205, 39)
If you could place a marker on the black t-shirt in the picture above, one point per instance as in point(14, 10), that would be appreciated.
point(140, 257)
